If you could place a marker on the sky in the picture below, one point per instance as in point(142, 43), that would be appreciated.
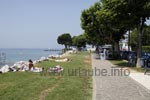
point(38, 23)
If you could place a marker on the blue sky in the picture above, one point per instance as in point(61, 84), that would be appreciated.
point(38, 23)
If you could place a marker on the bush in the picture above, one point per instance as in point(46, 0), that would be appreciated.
point(146, 48)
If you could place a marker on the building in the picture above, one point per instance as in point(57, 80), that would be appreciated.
point(124, 43)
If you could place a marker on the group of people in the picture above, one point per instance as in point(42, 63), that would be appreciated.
point(29, 66)
point(25, 67)
point(22, 66)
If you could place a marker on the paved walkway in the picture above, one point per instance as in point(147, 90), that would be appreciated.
point(110, 87)
point(142, 79)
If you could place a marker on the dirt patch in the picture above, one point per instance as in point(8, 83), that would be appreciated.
point(45, 92)
point(87, 57)
point(87, 62)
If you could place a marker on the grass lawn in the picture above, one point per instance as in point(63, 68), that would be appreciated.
point(67, 85)
point(122, 63)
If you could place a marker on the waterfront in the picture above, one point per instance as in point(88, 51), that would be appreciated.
point(14, 55)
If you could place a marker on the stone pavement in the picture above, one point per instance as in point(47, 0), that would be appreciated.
point(108, 86)
point(142, 79)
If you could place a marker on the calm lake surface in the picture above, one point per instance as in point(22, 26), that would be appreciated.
point(10, 56)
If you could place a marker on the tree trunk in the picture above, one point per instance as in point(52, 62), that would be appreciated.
point(129, 40)
point(65, 46)
point(97, 49)
point(139, 51)
point(92, 45)
point(116, 46)
point(116, 53)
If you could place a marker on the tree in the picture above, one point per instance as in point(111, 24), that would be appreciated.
point(74, 41)
point(90, 24)
point(64, 39)
point(79, 41)
point(145, 38)
point(139, 9)
point(114, 20)
point(89, 40)
point(106, 22)
point(110, 19)
point(133, 39)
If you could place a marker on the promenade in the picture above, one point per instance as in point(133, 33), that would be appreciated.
point(110, 87)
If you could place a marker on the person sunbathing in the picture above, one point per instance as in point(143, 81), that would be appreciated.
point(24, 67)
point(55, 69)
point(32, 68)
point(31, 65)
point(63, 60)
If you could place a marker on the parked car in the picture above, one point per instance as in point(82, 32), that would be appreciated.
point(144, 58)
point(124, 54)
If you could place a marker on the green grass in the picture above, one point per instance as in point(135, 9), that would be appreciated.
point(39, 86)
point(122, 63)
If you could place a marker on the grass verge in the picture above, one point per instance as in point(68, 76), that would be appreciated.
point(67, 85)
point(125, 64)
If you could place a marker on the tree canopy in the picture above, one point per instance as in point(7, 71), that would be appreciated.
point(145, 37)
point(107, 21)
point(90, 24)
point(64, 39)
point(79, 41)
point(139, 10)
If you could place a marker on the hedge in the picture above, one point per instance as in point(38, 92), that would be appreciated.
point(146, 48)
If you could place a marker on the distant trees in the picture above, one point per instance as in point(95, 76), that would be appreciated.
point(89, 40)
point(76, 41)
point(79, 41)
point(65, 39)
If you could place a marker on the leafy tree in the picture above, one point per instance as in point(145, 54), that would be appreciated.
point(89, 40)
point(64, 39)
point(79, 41)
point(106, 22)
point(145, 38)
point(132, 13)
point(133, 39)
point(113, 17)
point(139, 10)
point(110, 19)
point(90, 24)
point(74, 40)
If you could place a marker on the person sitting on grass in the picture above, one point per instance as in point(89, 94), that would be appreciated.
point(31, 66)
point(24, 67)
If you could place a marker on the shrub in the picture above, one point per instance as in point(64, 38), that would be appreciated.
point(146, 48)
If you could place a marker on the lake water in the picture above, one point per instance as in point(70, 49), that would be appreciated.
point(13, 55)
